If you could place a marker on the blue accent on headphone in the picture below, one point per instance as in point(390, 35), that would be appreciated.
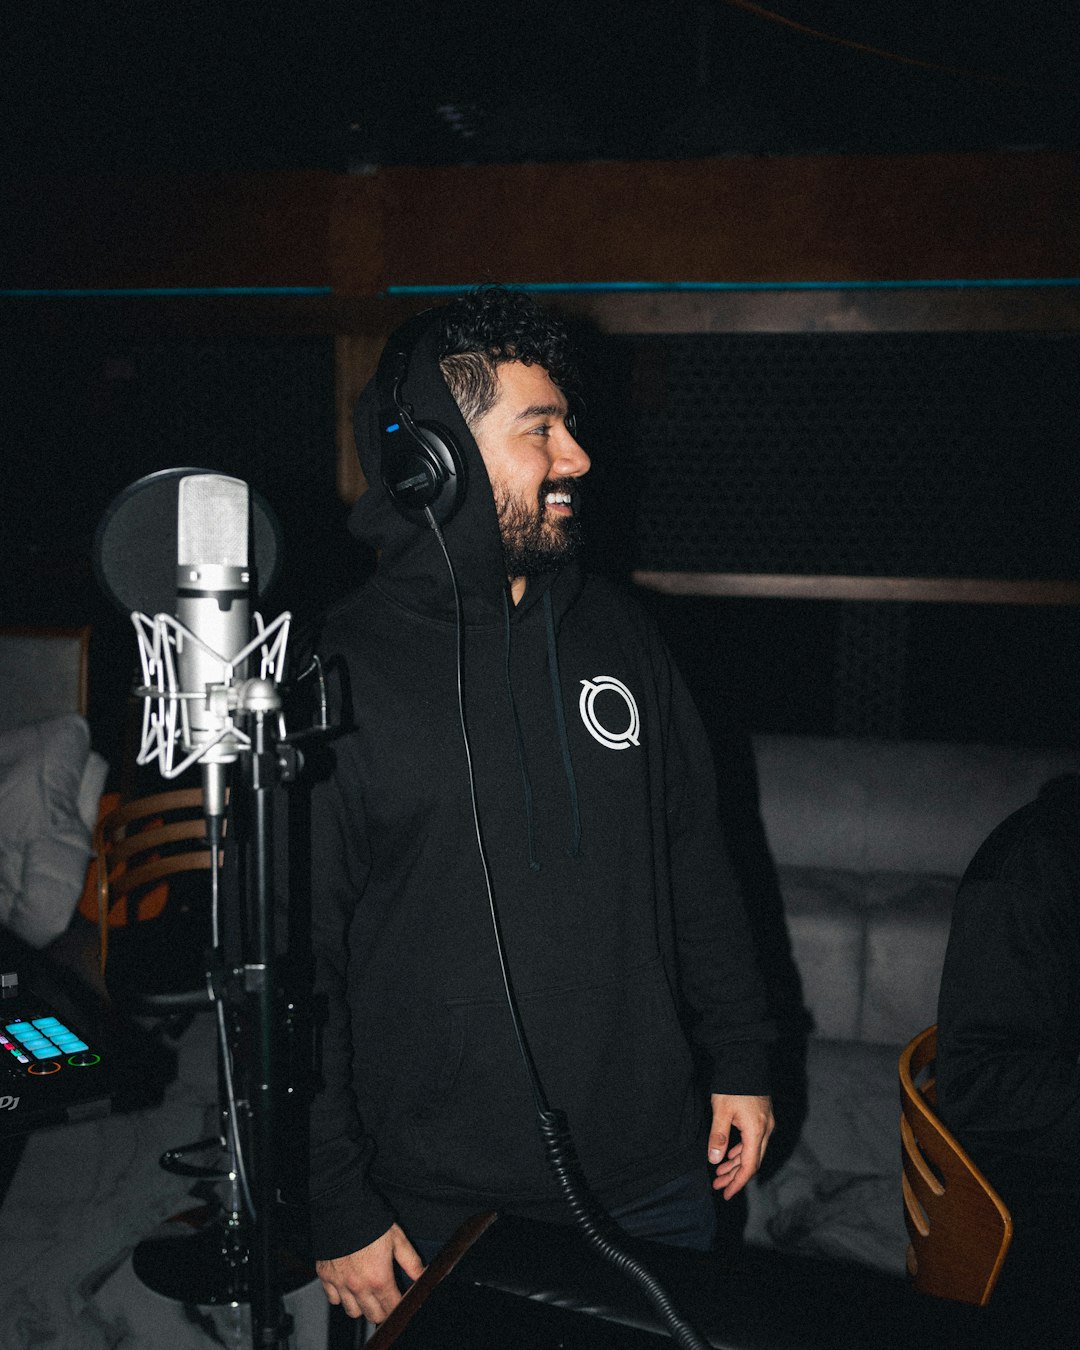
point(422, 468)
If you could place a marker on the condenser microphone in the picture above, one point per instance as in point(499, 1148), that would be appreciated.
point(213, 591)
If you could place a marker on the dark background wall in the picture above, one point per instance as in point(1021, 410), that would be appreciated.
point(862, 452)
point(105, 87)
point(867, 455)
point(874, 455)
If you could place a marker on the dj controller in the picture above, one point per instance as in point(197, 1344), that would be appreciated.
point(64, 1054)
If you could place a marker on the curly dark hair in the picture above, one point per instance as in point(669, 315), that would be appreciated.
point(489, 326)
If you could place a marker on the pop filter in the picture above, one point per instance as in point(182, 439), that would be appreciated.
point(136, 541)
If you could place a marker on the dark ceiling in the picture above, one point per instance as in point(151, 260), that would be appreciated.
point(148, 87)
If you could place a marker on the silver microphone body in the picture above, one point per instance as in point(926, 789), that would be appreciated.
point(213, 602)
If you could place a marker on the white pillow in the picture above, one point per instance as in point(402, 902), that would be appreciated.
point(44, 841)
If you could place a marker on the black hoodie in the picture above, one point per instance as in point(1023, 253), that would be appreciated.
point(614, 894)
point(1008, 1076)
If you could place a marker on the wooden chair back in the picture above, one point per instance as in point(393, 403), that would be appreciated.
point(139, 845)
point(959, 1228)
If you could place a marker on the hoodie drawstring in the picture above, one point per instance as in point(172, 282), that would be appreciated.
point(564, 739)
point(560, 719)
point(526, 785)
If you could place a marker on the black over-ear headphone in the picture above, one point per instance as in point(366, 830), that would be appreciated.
point(421, 463)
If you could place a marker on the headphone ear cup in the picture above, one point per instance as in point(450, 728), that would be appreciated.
point(422, 467)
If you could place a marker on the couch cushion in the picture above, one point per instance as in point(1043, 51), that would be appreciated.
point(812, 792)
point(904, 806)
point(907, 930)
point(824, 914)
point(868, 948)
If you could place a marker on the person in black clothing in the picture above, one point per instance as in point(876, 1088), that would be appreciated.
point(1008, 1076)
point(595, 812)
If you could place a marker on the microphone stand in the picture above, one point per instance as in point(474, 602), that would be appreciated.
point(270, 1324)
point(251, 985)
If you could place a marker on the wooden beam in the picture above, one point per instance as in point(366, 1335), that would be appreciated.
point(748, 218)
point(933, 590)
point(1023, 309)
point(738, 218)
point(167, 230)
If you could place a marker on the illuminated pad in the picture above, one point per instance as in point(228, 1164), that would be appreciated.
point(35, 1042)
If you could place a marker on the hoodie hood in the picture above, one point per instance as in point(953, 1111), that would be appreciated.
point(411, 566)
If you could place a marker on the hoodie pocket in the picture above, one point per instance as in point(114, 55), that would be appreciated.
point(611, 1055)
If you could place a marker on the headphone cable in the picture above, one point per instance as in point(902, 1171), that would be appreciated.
point(597, 1226)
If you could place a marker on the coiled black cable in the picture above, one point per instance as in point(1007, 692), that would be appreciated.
point(600, 1229)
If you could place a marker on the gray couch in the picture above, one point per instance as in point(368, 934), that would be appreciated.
point(868, 840)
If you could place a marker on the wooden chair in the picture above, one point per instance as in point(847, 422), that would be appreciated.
point(959, 1228)
point(141, 846)
point(138, 846)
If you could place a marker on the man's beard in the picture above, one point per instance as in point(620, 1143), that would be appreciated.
point(532, 541)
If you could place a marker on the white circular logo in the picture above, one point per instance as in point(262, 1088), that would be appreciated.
point(614, 740)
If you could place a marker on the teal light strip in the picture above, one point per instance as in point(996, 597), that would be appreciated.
point(540, 287)
point(158, 292)
point(601, 287)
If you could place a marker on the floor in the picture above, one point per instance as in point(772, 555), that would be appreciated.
point(81, 1197)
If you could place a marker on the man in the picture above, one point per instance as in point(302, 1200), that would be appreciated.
point(1008, 1079)
point(591, 834)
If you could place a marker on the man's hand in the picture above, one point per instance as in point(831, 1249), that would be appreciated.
point(363, 1282)
point(737, 1163)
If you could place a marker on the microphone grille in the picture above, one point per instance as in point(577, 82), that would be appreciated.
point(212, 521)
